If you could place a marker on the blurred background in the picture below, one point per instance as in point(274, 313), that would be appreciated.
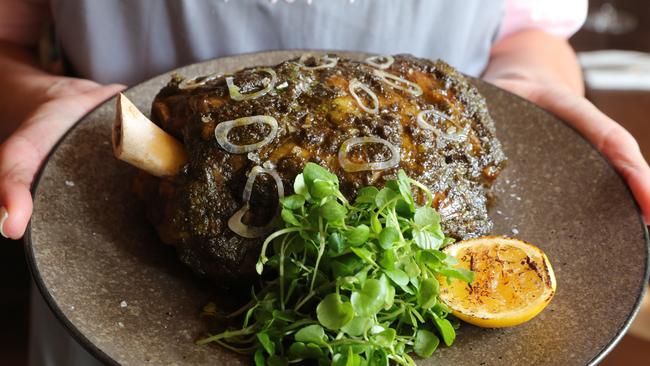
point(614, 50)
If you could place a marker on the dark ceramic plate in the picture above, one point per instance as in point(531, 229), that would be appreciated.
point(90, 247)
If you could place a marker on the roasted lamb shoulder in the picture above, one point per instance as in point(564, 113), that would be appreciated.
point(248, 134)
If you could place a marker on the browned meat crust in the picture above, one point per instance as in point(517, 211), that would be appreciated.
point(316, 113)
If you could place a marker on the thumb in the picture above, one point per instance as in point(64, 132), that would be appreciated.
point(22, 153)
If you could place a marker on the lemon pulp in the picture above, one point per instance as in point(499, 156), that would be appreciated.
point(513, 282)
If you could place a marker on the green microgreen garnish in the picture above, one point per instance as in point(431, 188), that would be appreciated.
point(349, 283)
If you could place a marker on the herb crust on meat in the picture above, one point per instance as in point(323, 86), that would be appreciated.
point(430, 113)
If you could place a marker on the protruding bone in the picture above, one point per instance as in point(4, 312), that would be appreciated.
point(141, 143)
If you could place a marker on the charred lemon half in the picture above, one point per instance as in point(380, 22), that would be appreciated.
point(513, 282)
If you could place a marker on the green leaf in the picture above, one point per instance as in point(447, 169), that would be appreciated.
point(370, 298)
point(266, 342)
point(388, 236)
point(332, 313)
point(347, 265)
point(426, 217)
point(311, 334)
point(441, 309)
point(459, 273)
point(259, 358)
point(300, 350)
point(291, 271)
point(411, 268)
point(313, 172)
point(276, 360)
point(347, 282)
point(403, 209)
point(379, 358)
point(385, 338)
point(321, 189)
point(404, 185)
point(358, 235)
point(300, 187)
point(289, 218)
point(348, 359)
point(364, 254)
point(375, 224)
point(388, 259)
point(390, 293)
point(366, 195)
point(449, 260)
point(358, 326)
point(336, 242)
point(384, 196)
point(362, 275)
point(425, 343)
point(320, 182)
point(356, 348)
point(448, 241)
point(428, 293)
point(446, 330)
point(398, 276)
point(283, 315)
point(293, 202)
point(426, 239)
point(428, 258)
point(333, 211)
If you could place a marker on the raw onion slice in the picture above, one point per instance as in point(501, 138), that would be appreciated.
point(327, 62)
point(350, 166)
point(376, 61)
point(449, 135)
point(399, 82)
point(453, 135)
point(195, 82)
point(235, 93)
point(356, 84)
point(422, 122)
point(223, 128)
point(247, 231)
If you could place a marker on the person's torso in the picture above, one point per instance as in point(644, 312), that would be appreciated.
point(128, 41)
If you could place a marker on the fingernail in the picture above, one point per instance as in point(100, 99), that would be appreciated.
point(3, 217)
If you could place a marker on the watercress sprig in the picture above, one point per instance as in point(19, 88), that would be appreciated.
point(349, 283)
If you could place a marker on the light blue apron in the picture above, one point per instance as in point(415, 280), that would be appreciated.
point(127, 41)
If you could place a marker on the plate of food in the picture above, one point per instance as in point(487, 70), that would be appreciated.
point(334, 208)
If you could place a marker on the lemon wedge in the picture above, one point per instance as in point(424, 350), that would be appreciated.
point(513, 282)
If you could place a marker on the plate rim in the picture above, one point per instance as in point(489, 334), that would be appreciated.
point(95, 351)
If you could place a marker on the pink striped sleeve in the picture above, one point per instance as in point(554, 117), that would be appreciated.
point(558, 17)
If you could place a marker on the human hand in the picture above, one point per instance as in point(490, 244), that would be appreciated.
point(614, 141)
point(64, 102)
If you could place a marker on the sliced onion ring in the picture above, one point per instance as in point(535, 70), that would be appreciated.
point(399, 82)
point(195, 82)
point(327, 62)
point(422, 122)
point(247, 231)
point(356, 84)
point(376, 61)
point(456, 137)
point(350, 166)
point(223, 128)
point(235, 93)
